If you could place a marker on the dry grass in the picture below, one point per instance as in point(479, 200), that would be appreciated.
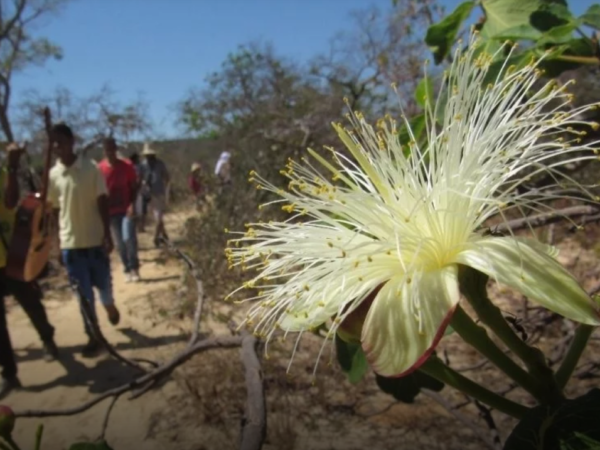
point(327, 412)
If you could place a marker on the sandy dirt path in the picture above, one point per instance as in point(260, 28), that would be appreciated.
point(73, 379)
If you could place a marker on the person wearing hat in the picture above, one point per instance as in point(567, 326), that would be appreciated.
point(27, 294)
point(223, 168)
point(194, 181)
point(155, 178)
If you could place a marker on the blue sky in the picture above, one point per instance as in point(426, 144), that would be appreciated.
point(164, 47)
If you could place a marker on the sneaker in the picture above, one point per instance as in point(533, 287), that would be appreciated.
point(7, 385)
point(128, 278)
point(91, 349)
point(50, 351)
point(135, 276)
point(113, 314)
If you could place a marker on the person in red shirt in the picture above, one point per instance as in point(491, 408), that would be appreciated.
point(122, 185)
point(194, 179)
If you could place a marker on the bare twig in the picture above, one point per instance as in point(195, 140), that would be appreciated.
point(476, 429)
point(254, 422)
point(107, 417)
point(199, 288)
point(539, 220)
point(92, 322)
point(158, 373)
point(486, 414)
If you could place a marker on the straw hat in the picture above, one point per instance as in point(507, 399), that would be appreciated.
point(147, 150)
point(195, 166)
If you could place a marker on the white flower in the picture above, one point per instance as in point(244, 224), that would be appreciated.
point(404, 221)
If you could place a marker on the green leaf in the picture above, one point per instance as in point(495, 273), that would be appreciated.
point(424, 93)
point(558, 35)
point(441, 36)
point(405, 389)
point(502, 15)
point(554, 65)
point(518, 60)
point(574, 425)
point(417, 126)
point(591, 17)
point(352, 360)
point(552, 15)
point(520, 32)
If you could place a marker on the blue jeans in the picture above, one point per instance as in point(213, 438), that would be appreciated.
point(89, 268)
point(124, 235)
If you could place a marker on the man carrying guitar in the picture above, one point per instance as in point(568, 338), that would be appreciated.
point(78, 193)
point(28, 294)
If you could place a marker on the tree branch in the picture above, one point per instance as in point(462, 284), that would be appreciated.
point(539, 220)
point(158, 373)
point(462, 418)
point(254, 422)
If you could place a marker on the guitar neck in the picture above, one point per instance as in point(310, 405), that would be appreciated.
point(47, 158)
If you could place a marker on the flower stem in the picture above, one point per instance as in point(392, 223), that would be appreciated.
point(478, 338)
point(582, 336)
point(438, 370)
point(473, 286)
point(38, 436)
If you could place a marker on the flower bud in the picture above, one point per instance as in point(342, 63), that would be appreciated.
point(7, 421)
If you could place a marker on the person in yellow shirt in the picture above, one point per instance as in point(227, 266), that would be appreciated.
point(27, 294)
point(78, 192)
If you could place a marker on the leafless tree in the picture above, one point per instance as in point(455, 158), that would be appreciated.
point(385, 47)
point(90, 116)
point(19, 48)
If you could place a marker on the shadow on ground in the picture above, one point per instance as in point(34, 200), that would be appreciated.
point(106, 374)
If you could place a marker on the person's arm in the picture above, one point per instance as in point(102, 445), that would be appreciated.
point(134, 187)
point(53, 199)
point(103, 209)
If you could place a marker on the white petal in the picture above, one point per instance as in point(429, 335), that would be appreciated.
point(407, 320)
point(534, 273)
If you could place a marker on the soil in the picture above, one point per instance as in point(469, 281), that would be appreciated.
point(201, 405)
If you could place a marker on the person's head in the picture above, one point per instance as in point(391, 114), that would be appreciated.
point(149, 153)
point(63, 140)
point(134, 158)
point(110, 148)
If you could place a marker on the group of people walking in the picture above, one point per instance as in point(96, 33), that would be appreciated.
point(222, 173)
point(96, 208)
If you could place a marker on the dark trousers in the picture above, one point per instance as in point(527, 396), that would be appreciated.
point(29, 296)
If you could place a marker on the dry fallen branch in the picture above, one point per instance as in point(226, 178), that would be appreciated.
point(158, 373)
point(453, 410)
point(254, 422)
point(107, 417)
point(539, 220)
point(199, 288)
point(92, 322)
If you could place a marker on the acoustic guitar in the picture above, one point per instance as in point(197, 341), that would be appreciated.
point(29, 248)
